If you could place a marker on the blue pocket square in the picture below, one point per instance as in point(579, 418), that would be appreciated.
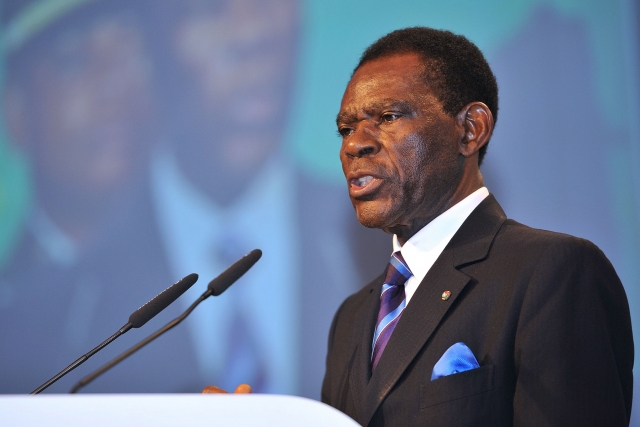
point(457, 358)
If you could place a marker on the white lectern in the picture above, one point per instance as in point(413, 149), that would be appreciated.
point(159, 410)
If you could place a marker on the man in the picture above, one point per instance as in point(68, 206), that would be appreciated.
point(78, 102)
point(224, 184)
point(478, 320)
point(220, 185)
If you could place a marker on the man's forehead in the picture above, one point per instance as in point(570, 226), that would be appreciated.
point(389, 82)
point(405, 64)
point(384, 77)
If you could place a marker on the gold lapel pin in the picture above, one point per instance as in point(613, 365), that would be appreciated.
point(446, 295)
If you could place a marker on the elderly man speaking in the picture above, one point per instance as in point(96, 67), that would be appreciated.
point(477, 320)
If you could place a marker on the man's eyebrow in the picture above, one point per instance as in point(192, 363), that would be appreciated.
point(398, 104)
point(376, 107)
point(345, 117)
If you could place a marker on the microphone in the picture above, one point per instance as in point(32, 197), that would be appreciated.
point(136, 320)
point(216, 287)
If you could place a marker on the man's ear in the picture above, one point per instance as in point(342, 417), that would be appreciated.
point(477, 121)
point(14, 108)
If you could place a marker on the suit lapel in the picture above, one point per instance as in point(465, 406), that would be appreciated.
point(427, 309)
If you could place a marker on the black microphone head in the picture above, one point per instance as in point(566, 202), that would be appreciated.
point(161, 301)
point(233, 273)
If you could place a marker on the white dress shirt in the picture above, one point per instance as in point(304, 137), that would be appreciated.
point(423, 248)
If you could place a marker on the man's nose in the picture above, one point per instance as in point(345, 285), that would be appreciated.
point(362, 142)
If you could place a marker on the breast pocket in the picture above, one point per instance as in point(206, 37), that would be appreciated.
point(457, 386)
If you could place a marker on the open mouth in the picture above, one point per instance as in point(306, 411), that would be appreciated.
point(362, 181)
point(363, 185)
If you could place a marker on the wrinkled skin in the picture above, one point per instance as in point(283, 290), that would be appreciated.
point(406, 161)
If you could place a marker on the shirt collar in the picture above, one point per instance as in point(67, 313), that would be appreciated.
point(431, 240)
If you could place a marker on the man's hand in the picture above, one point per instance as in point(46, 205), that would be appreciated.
point(241, 389)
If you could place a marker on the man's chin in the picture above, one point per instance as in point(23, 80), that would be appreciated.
point(370, 217)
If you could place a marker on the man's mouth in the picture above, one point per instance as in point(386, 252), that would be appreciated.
point(362, 181)
point(364, 185)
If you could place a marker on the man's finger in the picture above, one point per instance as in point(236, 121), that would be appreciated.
point(213, 389)
point(243, 388)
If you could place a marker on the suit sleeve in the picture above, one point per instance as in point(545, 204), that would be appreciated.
point(327, 383)
point(574, 345)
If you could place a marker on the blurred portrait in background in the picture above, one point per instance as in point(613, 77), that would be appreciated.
point(155, 136)
point(78, 100)
point(224, 184)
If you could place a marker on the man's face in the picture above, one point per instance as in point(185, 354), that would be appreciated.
point(399, 148)
point(93, 105)
point(235, 63)
point(239, 54)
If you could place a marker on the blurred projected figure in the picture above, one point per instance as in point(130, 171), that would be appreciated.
point(78, 102)
point(223, 185)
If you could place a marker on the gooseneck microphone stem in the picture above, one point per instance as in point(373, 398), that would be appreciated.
point(82, 359)
point(86, 380)
point(216, 287)
point(137, 319)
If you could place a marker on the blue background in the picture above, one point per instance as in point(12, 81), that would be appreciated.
point(565, 155)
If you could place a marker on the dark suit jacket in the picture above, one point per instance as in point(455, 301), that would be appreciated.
point(544, 313)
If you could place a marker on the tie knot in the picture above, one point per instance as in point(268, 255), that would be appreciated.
point(397, 271)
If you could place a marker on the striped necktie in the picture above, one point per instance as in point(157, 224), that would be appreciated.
point(392, 303)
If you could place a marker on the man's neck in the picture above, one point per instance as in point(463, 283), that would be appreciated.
point(471, 182)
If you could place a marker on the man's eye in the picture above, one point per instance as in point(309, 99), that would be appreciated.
point(345, 132)
point(389, 117)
